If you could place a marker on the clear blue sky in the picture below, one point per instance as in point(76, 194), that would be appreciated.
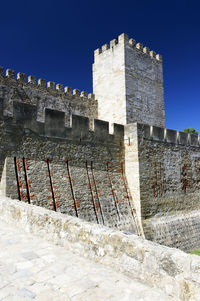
point(55, 40)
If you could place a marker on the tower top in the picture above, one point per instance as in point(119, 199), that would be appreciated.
point(123, 38)
point(128, 82)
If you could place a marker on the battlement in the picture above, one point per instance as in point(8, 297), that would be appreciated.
point(169, 136)
point(49, 86)
point(124, 39)
point(25, 115)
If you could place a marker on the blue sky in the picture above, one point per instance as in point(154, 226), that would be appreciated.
point(55, 40)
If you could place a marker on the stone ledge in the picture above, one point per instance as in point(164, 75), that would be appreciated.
point(172, 270)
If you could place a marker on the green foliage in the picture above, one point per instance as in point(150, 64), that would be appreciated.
point(196, 252)
point(191, 131)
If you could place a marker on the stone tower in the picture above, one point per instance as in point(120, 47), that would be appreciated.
point(128, 83)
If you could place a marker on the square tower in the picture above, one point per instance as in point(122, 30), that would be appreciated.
point(128, 83)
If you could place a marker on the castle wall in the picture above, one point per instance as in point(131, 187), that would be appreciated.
point(44, 95)
point(169, 185)
point(73, 170)
point(128, 83)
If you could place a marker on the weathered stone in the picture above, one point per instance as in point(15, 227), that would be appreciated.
point(128, 83)
point(171, 270)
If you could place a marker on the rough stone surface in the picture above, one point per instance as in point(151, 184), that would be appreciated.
point(65, 170)
point(67, 188)
point(135, 177)
point(43, 97)
point(128, 83)
point(165, 171)
point(171, 270)
point(34, 269)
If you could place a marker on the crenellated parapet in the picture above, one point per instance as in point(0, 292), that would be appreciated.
point(25, 117)
point(169, 136)
point(136, 76)
point(43, 84)
point(44, 95)
point(124, 39)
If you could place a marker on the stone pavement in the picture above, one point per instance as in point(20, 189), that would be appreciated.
point(34, 269)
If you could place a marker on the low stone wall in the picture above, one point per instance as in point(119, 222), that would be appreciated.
point(172, 270)
point(180, 230)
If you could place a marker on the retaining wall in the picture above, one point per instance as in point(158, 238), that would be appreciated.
point(73, 170)
point(172, 270)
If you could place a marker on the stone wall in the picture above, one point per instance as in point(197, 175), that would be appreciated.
point(168, 180)
point(171, 270)
point(44, 95)
point(128, 83)
point(72, 170)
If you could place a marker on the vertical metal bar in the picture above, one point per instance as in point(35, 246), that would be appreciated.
point(91, 192)
point(94, 180)
point(17, 178)
point(72, 191)
point(53, 197)
point(115, 201)
point(25, 175)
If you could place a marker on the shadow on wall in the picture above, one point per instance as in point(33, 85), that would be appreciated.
point(96, 195)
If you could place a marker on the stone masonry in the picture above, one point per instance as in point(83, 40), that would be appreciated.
point(62, 151)
point(34, 269)
point(128, 83)
point(171, 271)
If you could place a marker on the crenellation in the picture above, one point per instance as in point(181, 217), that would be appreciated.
point(135, 74)
point(183, 138)
point(54, 125)
point(80, 127)
point(97, 51)
point(91, 96)
point(84, 94)
point(171, 136)
point(152, 54)
point(101, 130)
point(157, 133)
point(194, 140)
point(51, 85)
point(76, 92)
point(42, 83)
point(105, 47)
point(10, 73)
point(139, 46)
point(68, 90)
point(123, 38)
point(60, 87)
point(168, 136)
point(113, 43)
point(132, 42)
point(159, 57)
point(32, 80)
point(21, 77)
point(146, 50)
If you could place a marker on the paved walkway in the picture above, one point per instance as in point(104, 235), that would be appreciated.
point(34, 269)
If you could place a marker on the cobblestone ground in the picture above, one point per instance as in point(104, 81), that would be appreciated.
point(34, 269)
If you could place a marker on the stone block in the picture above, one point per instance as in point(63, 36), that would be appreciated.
point(54, 123)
